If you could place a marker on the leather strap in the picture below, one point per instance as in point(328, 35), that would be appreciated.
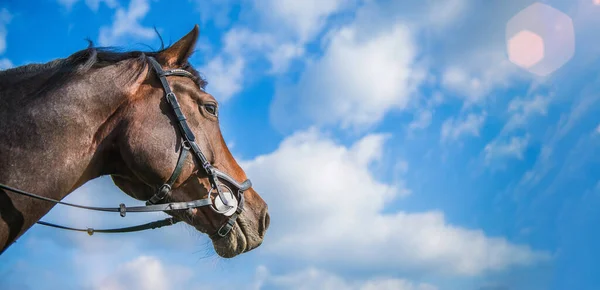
point(172, 99)
point(142, 227)
point(122, 208)
point(164, 190)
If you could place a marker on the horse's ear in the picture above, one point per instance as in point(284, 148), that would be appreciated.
point(179, 52)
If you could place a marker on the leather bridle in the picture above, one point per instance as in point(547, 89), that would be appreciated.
point(227, 202)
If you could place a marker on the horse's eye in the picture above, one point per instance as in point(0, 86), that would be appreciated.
point(211, 109)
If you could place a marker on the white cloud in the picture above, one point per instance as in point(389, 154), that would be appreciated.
point(216, 11)
point(286, 28)
point(514, 147)
point(145, 273)
point(437, 98)
point(361, 77)
point(126, 25)
point(522, 110)
point(95, 4)
point(401, 167)
point(474, 60)
point(5, 63)
point(314, 278)
point(225, 76)
point(582, 105)
point(433, 16)
point(241, 46)
point(92, 4)
point(474, 79)
point(422, 120)
point(453, 129)
point(242, 40)
point(335, 214)
point(5, 19)
point(423, 115)
point(598, 129)
point(445, 12)
point(543, 164)
point(282, 55)
point(302, 19)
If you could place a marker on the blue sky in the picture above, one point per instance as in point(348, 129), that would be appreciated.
point(395, 143)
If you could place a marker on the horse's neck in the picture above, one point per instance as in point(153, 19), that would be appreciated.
point(54, 144)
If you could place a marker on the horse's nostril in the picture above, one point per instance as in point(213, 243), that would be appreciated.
point(264, 225)
point(267, 220)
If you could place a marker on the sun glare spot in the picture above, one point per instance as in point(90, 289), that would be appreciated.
point(526, 49)
point(540, 39)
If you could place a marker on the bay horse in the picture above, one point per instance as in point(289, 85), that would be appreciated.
point(137, 117)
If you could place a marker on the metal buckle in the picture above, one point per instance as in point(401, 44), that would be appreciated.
point(163, 191)
point(122, 210)
point(226, 228)
point(226, 231)
point(186, 145)
point(170, 96)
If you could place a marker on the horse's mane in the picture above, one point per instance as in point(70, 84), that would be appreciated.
point(81, 62)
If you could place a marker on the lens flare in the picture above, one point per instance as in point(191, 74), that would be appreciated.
point(540, 39)
point(526, 49)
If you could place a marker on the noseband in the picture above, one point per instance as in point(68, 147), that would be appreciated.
point(229, 199)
